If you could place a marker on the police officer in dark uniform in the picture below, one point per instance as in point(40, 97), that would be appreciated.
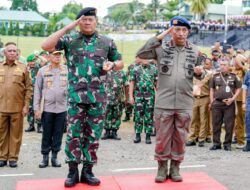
point(224, 88)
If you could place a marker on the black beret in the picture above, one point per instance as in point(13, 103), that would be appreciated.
point(88, 11)
point(180, 21)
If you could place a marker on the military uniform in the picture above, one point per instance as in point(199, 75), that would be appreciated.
point(128, 107)
point(86, 92)
point(144, 78)
point(116, 83)
point(220, 111)
point(51, 89)
point(15, 93)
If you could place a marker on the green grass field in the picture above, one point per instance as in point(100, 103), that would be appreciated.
point(127, 48)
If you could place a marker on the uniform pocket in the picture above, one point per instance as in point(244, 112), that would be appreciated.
point(166, 66)
point(189, 70)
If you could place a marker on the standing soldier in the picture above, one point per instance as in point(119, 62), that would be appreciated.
point(224, 89)
point(33, 69)
point(89, 56)
point(143, 79)
point(117, 86)
point(174, 100)
point(128, 107)
point(15, 95)
point(51, 84)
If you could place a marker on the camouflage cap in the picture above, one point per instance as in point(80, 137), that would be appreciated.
point(43, 52)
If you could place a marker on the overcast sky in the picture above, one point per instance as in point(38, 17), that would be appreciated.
point(101, 5)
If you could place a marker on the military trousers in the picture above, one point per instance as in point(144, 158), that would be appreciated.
point(11, 132)
point(247, 122)
point(240, 124)
point(129, 109)
point(144, 111)
point(171, 133)
point(113, 116)
point(53, 126)
point(200, 120)
point(85, 125)
point(220, 114)
point(31, 115)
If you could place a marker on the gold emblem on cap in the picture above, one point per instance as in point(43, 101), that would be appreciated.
point(175, 21)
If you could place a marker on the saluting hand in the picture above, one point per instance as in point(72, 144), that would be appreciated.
point(74, 24)
point(164, 33)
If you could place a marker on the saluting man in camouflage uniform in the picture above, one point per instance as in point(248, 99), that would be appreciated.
point(177, 64)
point(143, 78)
point(33, 68)
point(117, 84)
point(89, 56)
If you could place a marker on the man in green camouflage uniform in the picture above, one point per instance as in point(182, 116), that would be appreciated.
point(33, 68)
point(143, 79)
point(128, 107)
point(89, 56)
point(117, 85)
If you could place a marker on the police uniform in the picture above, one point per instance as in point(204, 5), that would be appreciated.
point(15, 93)
point(220, 111)
point(51, 93)
point(174, 99)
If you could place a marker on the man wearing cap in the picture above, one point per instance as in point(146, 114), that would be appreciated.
point(89, 56)
point(224, 89)
point(15, 95)
point(51, 84)
point(33, 69)
point(177, 65)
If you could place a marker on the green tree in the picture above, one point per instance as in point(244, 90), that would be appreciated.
point(10, 29)
point(26, 30)
point(40, 29)
point(247, 12)
point(199, 7)
point(170, 9)
point(217, 1)
point(155, 6)
point(24, 5)
point(71, 10)
point(3, 30)
point(17, 29)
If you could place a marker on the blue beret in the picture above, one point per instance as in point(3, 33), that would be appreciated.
point(88, 11)
point(180, 21)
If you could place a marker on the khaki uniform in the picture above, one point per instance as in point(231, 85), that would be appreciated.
point(220, 111)
point(15, 93)
point(240, 124)
point(200, 119)
point(174, 99)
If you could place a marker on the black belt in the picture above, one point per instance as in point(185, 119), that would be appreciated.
point(199, 97)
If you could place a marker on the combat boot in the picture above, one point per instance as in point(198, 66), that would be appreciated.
point(127, 118)
point(148, 138)
point(87, 175)
point(174, 171)
point(54, 160)
point(30, 128)
point(73, 175)
point(39, 128)
point(114, 135)
point(106, 134)
point(45, 162)
point(247, 147)
point(137, 138)
point(162, 173)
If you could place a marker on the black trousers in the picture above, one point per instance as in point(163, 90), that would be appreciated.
point(53, 125)
point(220, 114)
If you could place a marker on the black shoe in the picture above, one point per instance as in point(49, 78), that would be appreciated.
point(13, 164)
point(39, 129)
point(3, 163)
point(114, 135)
point(54, 161)
point(201, 143)
point(30, 129)
point(227, 148)
point(208, 140)
point(73, 175)
point(106, 134)
point(234, 141)
point(148, 139)
point(190, 143)
point(247, 147)
point(45, 161)
point(137, 138)
point(88, 177)
point(215, 147)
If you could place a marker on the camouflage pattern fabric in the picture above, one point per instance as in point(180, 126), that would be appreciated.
point(144, 77)
point(116, 82)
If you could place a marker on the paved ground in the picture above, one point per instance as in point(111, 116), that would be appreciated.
point(231, 169)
